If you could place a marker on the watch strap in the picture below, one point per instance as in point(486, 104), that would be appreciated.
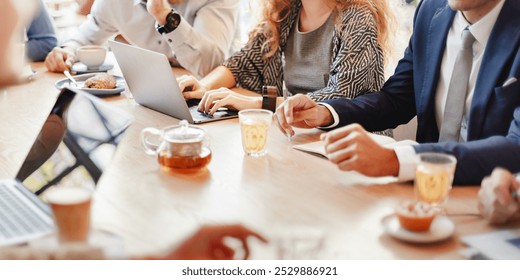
point(269, 95)
point(173, 19)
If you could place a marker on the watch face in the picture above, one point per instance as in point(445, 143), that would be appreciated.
point(172, 21)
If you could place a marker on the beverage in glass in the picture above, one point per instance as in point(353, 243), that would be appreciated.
point(434, 177)
point(181, 148)
point(254, 125)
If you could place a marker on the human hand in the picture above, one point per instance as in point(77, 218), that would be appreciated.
point(190, 87)
point(159, 9)
point(495, 201)
point(352, 148)
point(302, 112)
point(208, 243)
point(60, 59)
point(224, 97)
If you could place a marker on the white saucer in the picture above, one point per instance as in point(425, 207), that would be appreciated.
point(442, 228)
point(80, 68)
point(120, 86)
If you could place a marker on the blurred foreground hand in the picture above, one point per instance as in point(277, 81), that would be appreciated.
point(208, 243)
point(496, 203)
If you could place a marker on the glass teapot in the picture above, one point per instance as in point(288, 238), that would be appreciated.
point(180, 148)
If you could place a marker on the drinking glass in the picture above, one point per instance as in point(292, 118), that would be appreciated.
point(254, 124)
point(434, 178)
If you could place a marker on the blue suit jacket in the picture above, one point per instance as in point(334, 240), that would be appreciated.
point(494, 121)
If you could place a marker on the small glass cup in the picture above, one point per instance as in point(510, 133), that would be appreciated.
point(254, 125)
point(71, 210)
point(434, 178)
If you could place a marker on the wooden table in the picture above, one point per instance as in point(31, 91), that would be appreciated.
point(286, 192)
point(23, 110)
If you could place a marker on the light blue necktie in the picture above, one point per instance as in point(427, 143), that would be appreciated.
point(458, 90)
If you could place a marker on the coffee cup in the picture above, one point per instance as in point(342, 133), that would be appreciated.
point(71, 210)
point(92, 56)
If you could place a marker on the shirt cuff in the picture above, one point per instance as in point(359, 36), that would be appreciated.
point(178, 36)
point(335, 116)
point(71, 44)
point(407, 158)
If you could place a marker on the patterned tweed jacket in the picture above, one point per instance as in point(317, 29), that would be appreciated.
point(356, 66)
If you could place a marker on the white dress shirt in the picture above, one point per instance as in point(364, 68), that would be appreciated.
point(481, 30)
point(201, 42)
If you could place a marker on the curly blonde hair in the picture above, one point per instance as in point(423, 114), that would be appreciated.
point(276, 11)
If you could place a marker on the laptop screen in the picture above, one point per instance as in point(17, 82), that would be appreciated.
point(75, 144)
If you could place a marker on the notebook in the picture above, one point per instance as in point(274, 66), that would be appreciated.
point(151, 80)
point(80, 126)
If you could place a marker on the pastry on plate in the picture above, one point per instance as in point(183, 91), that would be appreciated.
point(101, 81)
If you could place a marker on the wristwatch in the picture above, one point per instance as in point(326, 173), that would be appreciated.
point(269, 95)
point(173, 19)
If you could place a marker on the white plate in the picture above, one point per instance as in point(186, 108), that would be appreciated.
point(120, 86)
point(441, 228)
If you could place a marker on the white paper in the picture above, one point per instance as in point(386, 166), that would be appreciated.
point(318, 147)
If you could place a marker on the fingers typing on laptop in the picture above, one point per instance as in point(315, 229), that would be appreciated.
point(223, 97)
point(190, 87)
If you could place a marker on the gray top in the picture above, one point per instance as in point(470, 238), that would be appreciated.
point(308, 58)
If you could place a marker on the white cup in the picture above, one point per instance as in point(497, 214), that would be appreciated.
point(92, 56)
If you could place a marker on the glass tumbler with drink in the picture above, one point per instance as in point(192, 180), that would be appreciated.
point(254, 125)
point(434, 178)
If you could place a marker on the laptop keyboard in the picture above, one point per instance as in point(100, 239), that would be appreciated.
point(198, 115)
point(17, 215)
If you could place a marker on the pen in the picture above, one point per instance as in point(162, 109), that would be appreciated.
point(284, 94)
point(284, 90)
point(515, 194)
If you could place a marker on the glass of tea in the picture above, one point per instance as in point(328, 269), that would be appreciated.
point(254, 124)
point(181, 148)
point(434, 178)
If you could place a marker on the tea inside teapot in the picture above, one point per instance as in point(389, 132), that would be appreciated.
point(183, 148)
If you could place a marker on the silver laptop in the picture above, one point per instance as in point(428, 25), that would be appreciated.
point(151, 80)
point(75, 144)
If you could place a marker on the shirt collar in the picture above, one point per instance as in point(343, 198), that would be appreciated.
point(137, 2)
point(481, 29)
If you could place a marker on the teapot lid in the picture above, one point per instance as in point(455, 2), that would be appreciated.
point(184, 133)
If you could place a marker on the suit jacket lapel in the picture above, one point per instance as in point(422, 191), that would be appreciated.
point(437, 34)
point(501, 46)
